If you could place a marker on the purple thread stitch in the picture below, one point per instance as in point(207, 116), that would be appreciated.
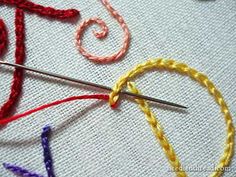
point(46, 151)
point(20, 171)
point(47, 159)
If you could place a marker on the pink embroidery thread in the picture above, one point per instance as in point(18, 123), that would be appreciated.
point(101, 34)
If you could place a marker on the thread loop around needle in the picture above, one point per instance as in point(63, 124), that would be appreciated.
point(93, 85)
point(181, 68)
point(155, 125)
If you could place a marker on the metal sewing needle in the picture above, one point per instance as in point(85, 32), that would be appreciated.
point(90, 84)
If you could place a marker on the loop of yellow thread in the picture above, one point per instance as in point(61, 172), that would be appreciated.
point(171, 65)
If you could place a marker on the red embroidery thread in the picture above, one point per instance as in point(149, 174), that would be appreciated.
point(3, 37)
point(20, 45)
point(18, 116)
point(19, 59)
point(41, 10)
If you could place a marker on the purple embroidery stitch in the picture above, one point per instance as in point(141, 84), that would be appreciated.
point(46, 151)
point(47, 159)
point(20, 171)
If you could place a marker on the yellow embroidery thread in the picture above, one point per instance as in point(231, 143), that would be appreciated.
point(181, 68)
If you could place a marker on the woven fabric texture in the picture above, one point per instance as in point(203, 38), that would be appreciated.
point(89, 138)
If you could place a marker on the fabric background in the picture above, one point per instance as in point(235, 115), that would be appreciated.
point(89, 138)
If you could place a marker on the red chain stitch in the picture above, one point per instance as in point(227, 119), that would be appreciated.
point(19, 59)
point(41, 10)
point(20, 46)
point(3, 37)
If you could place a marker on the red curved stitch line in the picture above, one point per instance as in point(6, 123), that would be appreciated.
point(20, 46)
point(3, 37)
point(41, 10)
point(84, 25)
point(18, 116)
point(19, 59)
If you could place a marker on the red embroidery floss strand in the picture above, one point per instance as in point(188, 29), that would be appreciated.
point(41, 10)
point(18, 116)
point(101, 34)
point(3, 37)
point(20, 45)
point(19, 59)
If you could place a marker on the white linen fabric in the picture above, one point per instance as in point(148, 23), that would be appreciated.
point(89, 138)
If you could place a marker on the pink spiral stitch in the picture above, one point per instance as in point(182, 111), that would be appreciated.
point(101, 34)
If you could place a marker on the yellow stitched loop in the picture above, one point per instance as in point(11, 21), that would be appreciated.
point(181, 68)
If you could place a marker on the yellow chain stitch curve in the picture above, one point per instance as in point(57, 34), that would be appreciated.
point(181, 68)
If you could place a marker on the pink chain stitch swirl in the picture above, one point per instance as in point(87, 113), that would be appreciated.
point(102, 34)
